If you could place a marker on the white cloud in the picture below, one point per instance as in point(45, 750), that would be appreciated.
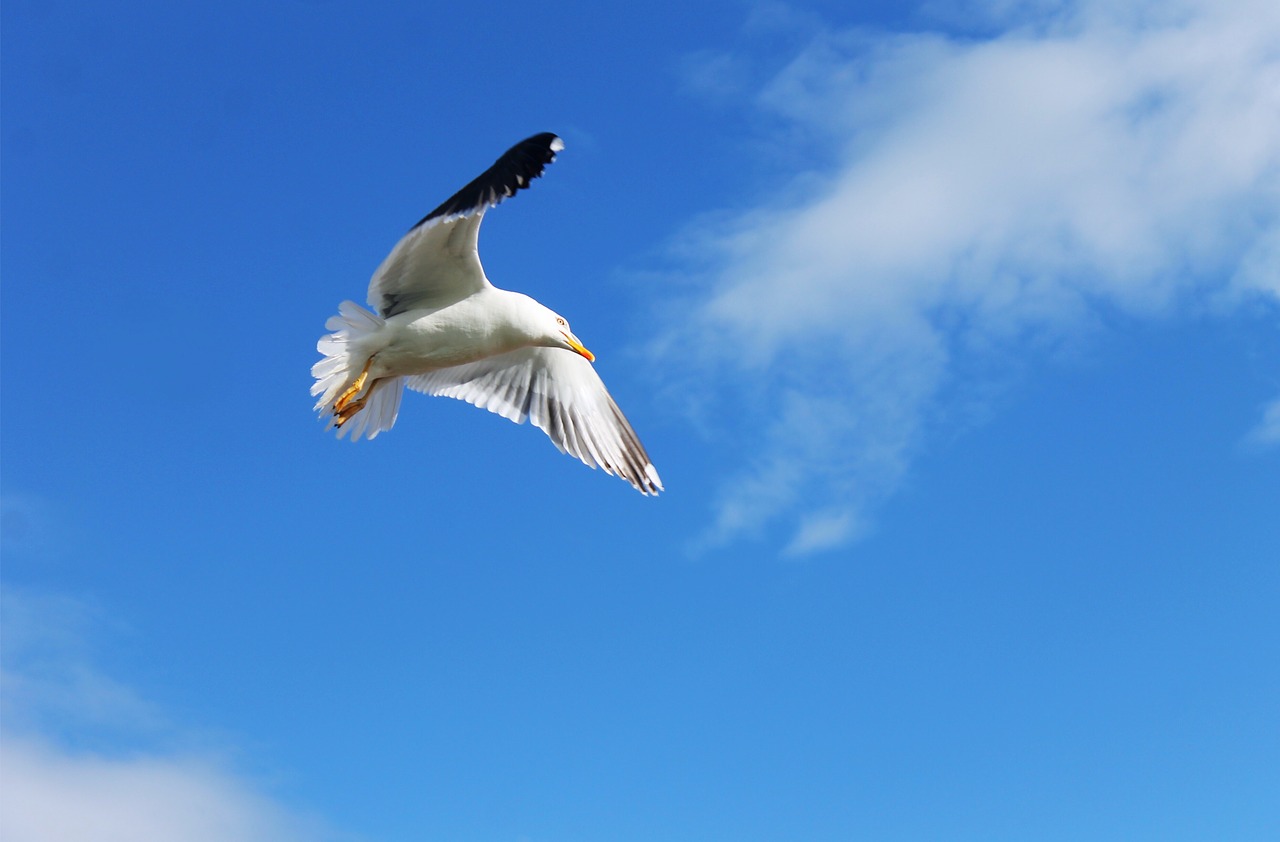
point(823, 530)
point(51, 793)
point(980, 194)
point(54, 791)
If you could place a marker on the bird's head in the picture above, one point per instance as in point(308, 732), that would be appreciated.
point(565, 339)
point(536, 324)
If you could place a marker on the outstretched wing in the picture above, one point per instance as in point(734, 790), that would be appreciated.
point(563, 396)
point(437, 263)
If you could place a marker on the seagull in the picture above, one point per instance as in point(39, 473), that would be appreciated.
point(439, 326)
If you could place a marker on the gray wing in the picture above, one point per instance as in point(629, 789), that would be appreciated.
point(564, 397)
point(437, 262)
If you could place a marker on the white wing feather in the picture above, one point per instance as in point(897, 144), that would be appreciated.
point(563, 396)
point(437, 263)
point(434, 265)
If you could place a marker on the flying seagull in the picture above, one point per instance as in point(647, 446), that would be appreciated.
point(442, 328)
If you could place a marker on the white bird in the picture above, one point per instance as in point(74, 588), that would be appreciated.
point(442, 328)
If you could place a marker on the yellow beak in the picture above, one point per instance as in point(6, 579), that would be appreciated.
point(577, 347)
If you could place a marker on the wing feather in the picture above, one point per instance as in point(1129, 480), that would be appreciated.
point(561, 393)
point(437, 262)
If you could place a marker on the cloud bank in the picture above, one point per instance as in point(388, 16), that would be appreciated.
point(979, 195)
point(124, 790)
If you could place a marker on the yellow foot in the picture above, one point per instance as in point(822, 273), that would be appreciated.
point(342, 416)
point(340, 405)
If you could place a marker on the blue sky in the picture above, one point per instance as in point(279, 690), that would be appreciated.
point(951, 327)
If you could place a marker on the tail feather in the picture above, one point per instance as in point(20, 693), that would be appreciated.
point(339, 367)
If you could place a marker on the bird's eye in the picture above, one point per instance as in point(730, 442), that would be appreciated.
point(561, 322)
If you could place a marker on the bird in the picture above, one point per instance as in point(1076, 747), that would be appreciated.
point(439, 326)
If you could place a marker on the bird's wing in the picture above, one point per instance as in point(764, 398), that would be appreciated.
point(565, 398)
point(436, 263)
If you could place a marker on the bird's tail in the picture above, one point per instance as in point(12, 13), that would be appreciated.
point(340, 370)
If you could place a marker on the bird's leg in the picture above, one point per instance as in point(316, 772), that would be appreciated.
point(344, 400)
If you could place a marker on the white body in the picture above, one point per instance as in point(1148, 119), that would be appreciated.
point(484, 324)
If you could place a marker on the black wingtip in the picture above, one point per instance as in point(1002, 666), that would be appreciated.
point(513, 171)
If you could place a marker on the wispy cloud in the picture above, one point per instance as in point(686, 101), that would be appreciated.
point(1267, 434)
point(978, 194)
point(49, 681)
point(53, 793)
point(26, 527)
point(125, 788)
